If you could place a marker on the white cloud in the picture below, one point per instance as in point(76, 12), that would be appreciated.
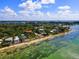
point(48, 1)
point(28, 9)
point(64, 13)
point(24, 13)
point(64, 10)
point(66, 7)
point(29, 5)
point(8, 12)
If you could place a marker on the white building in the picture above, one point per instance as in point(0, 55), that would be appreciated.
point(53, 30)
point(1, 41)
point(10, 39)
point(16, 39)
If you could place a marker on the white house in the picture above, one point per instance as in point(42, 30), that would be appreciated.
point(1, 41)
point(53, 30)
point(9, 39)
point(16, 39)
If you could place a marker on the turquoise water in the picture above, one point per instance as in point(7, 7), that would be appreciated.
point(66, 46)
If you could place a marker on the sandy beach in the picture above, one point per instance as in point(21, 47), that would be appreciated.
point(25, 44)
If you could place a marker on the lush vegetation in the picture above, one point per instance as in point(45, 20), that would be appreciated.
point(29, 30)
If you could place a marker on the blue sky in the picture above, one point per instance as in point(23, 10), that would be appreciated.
point(14, 4)
point(39, 9)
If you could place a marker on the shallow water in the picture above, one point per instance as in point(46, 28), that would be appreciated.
point(67, 46)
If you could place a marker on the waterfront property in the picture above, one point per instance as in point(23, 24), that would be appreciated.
point(15, 34)
point(10, 40)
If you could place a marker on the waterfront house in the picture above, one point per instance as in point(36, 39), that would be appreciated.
point(54, 31)
point(7, 41)
point(10, 39)
point(1, 41)
point(16, 40)
point(27, 32)
point(42, 32)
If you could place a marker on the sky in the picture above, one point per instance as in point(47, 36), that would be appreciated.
point(39, 10)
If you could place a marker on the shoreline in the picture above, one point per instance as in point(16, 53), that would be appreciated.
point(26, 44)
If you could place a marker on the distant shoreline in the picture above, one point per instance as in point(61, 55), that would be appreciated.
point(25, 44)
